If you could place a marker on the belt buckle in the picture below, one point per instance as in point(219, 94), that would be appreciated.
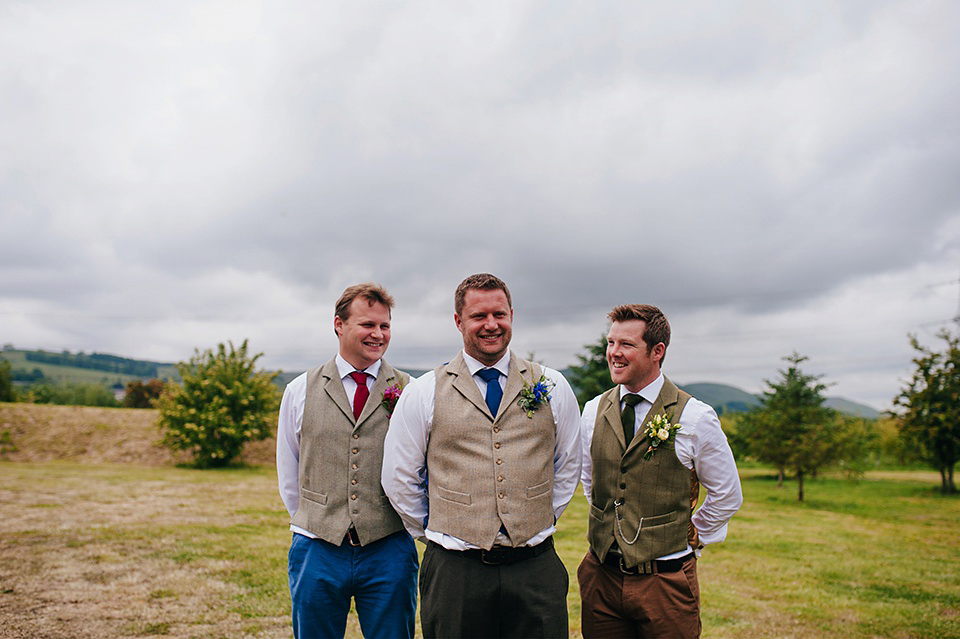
point(624, 569)
point(353, 537)
point(492, 557)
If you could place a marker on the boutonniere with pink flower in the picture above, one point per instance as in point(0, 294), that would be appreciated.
point(534, 395)
point(659, 430)
point(391, 396)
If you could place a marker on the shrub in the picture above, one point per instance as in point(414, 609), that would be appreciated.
point(222, 403)
point(142, 395)
point(72, 394)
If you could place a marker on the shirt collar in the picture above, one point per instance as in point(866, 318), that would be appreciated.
point(648, 392)
point(344, 367)
point(473, 364)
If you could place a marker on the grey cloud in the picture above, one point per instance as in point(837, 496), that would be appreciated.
point(235, 167)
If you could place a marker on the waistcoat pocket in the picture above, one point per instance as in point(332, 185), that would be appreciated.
point(539, 489)
point(452, 495)
point(309, 495)
point(660, 520)
point(596, 513)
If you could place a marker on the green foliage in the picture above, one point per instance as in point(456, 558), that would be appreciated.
point(592, 376)
point(792, 429)
point(142, 395)
point(6, 382)
point(930, 407)
point(71, 394)
point(23, 375)
point(222, 403)
point(96, 361)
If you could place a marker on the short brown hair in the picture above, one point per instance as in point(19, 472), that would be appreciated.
point(373, 293)
point(479, 282)
point(657, 327)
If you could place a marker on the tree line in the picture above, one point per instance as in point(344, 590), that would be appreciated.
point(95, 361)
point(223, 401)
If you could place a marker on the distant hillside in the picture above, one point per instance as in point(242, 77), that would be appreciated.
point(730, 399)
point(852, 408)
point(30, 366)
point(723, 398)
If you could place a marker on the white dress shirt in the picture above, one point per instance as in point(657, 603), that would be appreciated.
point(405, 452)
point(700, 444)
point(289, 423)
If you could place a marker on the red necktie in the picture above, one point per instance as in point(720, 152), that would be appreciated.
point(360, 398)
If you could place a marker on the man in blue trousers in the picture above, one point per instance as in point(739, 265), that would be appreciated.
point(348, 542)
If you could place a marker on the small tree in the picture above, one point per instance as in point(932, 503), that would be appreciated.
point(792, 429)
point(142, 395)
point(222, 404)
point(592, 376)
point(6, 382)
point(930, 407)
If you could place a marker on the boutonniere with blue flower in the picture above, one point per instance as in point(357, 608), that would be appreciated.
point(534, 395)
point(659, 430)
point(391, 396)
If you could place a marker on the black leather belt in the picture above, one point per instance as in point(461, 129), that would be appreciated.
point(615, 560)
point(502, 555)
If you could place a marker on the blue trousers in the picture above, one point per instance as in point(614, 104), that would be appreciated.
point(380, 577)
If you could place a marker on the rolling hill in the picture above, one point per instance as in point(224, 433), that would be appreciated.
point(730, 399)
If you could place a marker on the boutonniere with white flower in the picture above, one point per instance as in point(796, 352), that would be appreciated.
point(659, 430)
point(534, 395)
point(390, 396)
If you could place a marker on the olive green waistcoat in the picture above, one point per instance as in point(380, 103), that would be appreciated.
point(626, 487)
point(341, 457)
point(484, 472)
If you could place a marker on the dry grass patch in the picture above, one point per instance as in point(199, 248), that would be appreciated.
point(97, 552)
point(95, 435)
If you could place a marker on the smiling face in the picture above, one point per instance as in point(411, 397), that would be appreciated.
point(365, 334)
point(631, 362)
point(486, 323)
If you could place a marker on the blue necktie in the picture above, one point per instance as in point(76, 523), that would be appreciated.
point(494, 393)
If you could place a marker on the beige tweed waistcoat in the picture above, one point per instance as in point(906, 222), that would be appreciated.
point(486, 472)
point(341, 457)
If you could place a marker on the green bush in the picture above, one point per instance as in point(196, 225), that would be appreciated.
point(222, 403)
point(71, 394)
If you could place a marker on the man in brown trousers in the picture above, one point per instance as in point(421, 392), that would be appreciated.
point(648, 447)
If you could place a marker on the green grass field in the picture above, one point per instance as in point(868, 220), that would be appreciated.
point(111, 551)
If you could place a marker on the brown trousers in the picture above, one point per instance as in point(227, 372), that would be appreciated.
point(618, 605)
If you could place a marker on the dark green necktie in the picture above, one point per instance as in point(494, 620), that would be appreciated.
point(629, 416)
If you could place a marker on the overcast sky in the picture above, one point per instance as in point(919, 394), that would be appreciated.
point(776, 176)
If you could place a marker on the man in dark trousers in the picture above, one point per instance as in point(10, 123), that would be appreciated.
point(348, 542)
point(648, 447)
point(482, 457)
